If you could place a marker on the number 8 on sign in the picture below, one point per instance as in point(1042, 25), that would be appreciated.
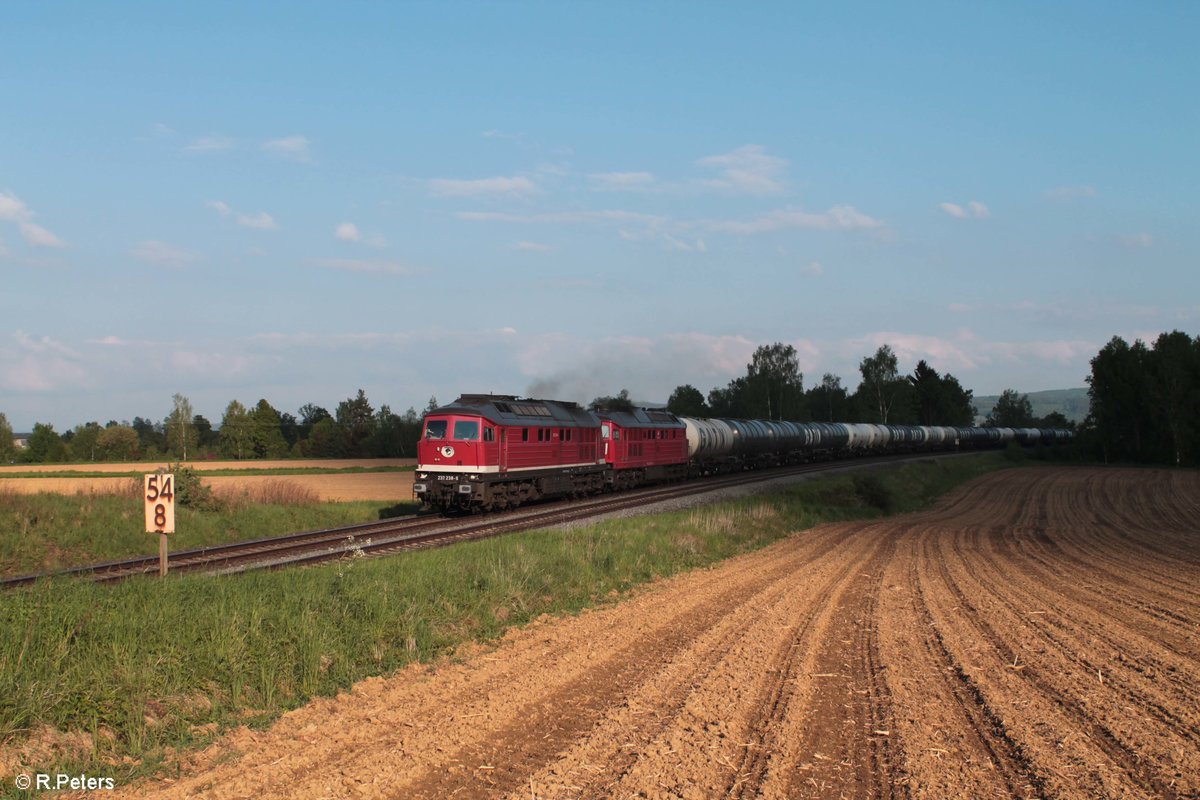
point(160, 503)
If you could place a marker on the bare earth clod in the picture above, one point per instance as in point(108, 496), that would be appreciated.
point(1034, 635)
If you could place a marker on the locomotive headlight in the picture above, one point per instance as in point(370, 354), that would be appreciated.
point(472, 477)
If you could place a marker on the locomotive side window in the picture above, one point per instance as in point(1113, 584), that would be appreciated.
point(466, 430)
point(435, 429)
point(489, 434)
point(524, 434)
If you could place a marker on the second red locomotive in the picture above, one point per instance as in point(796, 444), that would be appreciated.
point(485, 452)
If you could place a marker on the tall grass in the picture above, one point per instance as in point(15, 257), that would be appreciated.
point(127, 674)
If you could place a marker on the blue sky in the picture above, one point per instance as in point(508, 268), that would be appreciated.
point(293, 201)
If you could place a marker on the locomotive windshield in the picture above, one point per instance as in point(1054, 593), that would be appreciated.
point(435, 429)
point(466, 430)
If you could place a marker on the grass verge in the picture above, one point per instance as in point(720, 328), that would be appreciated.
point(45, 531)
point(119, 680)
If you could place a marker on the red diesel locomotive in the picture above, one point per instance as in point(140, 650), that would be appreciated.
point(485, 452)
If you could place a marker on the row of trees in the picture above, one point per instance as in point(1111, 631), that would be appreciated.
point(773, 388)
point(354, 430)
point(1145, 401)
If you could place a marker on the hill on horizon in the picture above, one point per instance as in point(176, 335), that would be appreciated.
point(1071, 403)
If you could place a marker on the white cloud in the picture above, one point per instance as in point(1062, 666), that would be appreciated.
point(39, 236)
point(208, 144)
point(747, 169)
point(364, 265)
point(837, 218)
point(13, 209)
point(617, 181)
point(536, 247)
point(194, 364)
point(293, 147)
point(635, 226)
point(40, 364)
point(451, 187)
point(974, 209)
point(349, 232)
point(163, 254)
point(965, 353)
point(813, 268)
point(1136, 240)
point(261, 221)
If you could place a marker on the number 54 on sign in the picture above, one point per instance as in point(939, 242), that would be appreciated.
point(160, 503)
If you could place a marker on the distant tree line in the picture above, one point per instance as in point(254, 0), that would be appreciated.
point(773, 388)
point(1145, 401)
point(354, 430)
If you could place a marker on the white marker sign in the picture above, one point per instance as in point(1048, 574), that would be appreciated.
point(160, 503)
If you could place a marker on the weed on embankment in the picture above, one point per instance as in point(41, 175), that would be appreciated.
point(117, 680)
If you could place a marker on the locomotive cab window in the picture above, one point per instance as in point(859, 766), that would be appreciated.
point(524, 434)
point(489, 434)
point(435, 429)
point(466, 430)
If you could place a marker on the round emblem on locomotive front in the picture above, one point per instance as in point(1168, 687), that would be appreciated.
point(448, 451)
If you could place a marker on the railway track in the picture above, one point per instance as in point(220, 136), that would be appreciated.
point(388, 537)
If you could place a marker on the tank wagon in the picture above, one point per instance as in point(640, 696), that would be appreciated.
point(488, 452)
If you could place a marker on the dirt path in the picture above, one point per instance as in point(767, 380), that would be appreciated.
point(1035, 635)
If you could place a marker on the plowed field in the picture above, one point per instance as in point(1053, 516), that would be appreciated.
point(1036, 634)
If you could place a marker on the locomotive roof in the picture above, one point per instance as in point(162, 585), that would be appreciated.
point(641, 418)
point(504, 409)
